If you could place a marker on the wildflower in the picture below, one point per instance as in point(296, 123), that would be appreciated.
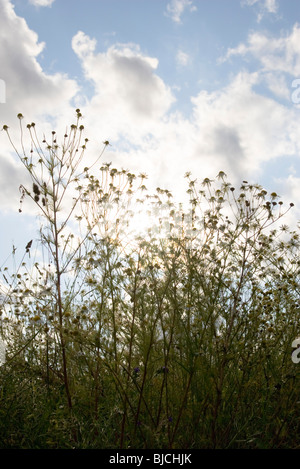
point(136, 370)
point(207, 182)
point(163, 369)
point(221, 175)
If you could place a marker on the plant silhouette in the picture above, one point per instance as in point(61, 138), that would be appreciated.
point(177, 337)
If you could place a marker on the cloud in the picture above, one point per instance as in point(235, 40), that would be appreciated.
point(274, 54)
point(28, 89)
point(128, 94)
point(278, 59)
point(234, 129)
point(182, 58)
point(11, 176)
point(83, 45)
point(265, 6)
point(242, 129)
point(176, 8)
point(278, 85)
point(41, 3)
point(271, 6)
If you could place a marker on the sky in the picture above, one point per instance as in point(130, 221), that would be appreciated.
point(174, 85)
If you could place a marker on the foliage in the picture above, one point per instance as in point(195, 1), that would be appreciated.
point(177, 338)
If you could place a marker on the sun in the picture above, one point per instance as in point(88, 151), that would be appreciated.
point(144, 220)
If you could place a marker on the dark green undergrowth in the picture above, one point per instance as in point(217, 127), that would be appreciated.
point(178, 338)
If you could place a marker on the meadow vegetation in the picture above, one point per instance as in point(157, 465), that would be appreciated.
point(178, 338)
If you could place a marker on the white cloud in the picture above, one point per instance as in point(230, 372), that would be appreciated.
point(265, 6)
point(289, 189)
point(242, 128)
point(280, 55)
point(41, 3)
point(176, 8)
point(28, 90)
point(129, 95)
point(271, 6)
point(11, 176)
point(234, 129)
point(249, 3)
point(83, 45)
point(278, 85)
point(182, 58)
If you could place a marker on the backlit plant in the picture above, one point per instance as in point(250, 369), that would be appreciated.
point(176, 337)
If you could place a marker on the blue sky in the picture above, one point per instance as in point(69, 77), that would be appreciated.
point(174, 85)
